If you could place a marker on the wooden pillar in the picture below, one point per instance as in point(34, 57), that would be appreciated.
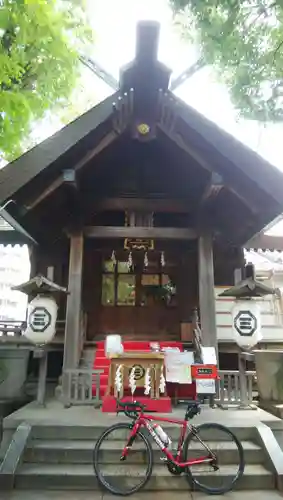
point(74, 299)
point(206, 291)
point(32, 259)
point(237, 275)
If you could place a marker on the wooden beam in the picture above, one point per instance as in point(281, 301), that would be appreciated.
point(73, 197)
point(158, 233)
point(265, 242)
point(143, 205)
point(212, 189)
point(74, 298)
point(178, 139)
point(206, 290)
point(106, 141)
point(69, 177)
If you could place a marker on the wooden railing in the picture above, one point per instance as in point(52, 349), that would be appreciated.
point(229, 391)
point(11, 331)
point(11, 328)
point(78, 388)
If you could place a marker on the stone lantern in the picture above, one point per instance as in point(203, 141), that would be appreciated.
point(40, 326)
point(246, 327)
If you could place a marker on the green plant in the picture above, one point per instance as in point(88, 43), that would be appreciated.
point(39, 65)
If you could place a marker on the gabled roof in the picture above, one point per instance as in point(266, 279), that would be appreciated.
point(11, 233)
point(18, 173)
point(144, 90)
point(246, 161)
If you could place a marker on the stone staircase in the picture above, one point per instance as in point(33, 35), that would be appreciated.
point(60, 457)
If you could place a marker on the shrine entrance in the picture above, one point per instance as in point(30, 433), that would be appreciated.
point(142, 294)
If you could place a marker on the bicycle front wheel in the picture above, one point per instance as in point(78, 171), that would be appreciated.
point(229, 454)
point(129, 476)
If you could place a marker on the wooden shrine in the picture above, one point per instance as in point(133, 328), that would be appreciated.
point(141, 206)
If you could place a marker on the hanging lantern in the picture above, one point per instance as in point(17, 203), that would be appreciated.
point(145, 260)
point(42, 309)
point(162, 259)
point(41, 320)
point(162, 382)
point(147, 382)
point(130, 261)
point(132, 381)
point(113, 258)
point(246, 326)
point(119, 378)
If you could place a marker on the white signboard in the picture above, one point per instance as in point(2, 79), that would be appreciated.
point(205, 386)
point(208, 355)
point(178, 367)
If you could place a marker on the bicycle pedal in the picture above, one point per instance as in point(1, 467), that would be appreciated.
point(163, 459)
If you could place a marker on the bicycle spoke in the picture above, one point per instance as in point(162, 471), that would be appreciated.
point(122, 477)
point(221, 475)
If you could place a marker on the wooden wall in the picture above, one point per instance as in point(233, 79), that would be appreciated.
point(155, 322)
point(140, 322)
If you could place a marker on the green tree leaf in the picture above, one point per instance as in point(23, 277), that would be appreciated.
point(39, 65)
point(243, 41)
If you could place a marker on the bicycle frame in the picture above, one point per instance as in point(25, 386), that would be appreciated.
point(144, 421)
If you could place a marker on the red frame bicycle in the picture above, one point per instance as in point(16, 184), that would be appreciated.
point(176, 464)
point(144, 421)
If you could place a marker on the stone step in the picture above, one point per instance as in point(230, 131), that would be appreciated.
point(82, 477)
point(93, 432)
point(81, 452)
point(145, 495)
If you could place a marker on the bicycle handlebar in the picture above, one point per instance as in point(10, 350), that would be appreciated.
point(130, 409)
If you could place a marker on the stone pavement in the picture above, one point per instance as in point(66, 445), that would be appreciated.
point(93, 495)
point(55, 413)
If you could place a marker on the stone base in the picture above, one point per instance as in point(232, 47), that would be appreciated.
point(8, 406)
point(272, 407)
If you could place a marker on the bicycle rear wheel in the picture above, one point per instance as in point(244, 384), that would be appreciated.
point(127, 477)
point(229, 454)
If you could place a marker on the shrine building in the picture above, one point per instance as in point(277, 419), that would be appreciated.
point(140, 208)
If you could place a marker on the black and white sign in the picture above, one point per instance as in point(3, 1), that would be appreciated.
point(245, 323)
point(39, 319)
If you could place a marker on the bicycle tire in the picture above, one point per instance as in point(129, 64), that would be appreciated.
point(195, 483)
point(149, 451)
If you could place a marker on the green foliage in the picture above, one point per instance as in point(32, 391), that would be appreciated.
point(39, 44)
point(243, 41)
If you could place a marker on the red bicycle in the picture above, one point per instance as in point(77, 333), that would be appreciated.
point(138, 452)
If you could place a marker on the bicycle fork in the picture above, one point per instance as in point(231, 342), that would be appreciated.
point(129, 443)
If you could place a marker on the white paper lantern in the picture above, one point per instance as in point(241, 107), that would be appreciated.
point(246, 323)
point(41, 320)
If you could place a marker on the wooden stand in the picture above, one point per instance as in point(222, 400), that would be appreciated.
point(141, 361)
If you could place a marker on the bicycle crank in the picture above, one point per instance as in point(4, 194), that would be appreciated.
point(175, 470)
